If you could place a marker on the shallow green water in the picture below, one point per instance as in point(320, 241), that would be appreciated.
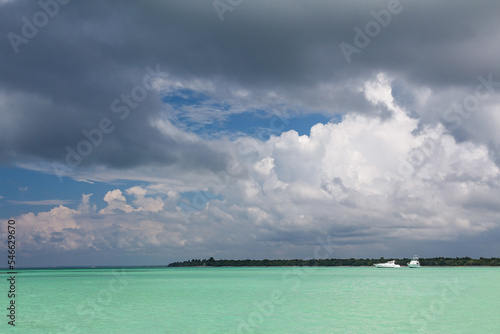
point(256, 300)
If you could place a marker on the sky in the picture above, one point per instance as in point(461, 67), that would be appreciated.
point(142, 133)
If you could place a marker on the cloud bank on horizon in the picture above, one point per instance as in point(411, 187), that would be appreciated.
point(169, 133)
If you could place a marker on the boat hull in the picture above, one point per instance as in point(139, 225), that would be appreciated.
point(414, 263)
point(387, 266)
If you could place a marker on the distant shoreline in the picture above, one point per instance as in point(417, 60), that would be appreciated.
point(430, 262)
point(211, 262)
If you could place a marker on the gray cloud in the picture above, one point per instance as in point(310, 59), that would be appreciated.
point(65, 80)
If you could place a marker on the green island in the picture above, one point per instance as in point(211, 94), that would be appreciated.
point(435, 261)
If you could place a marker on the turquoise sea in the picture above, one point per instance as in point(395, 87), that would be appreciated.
point(255, 300)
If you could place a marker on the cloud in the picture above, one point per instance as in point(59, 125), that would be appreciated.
point(401, 164)
point(305, 71)
point(145, 203)
point(367, 183)
point(42, 202)
point(375, 174)
point(55, 227)
point(116, 201)
point(119, 227)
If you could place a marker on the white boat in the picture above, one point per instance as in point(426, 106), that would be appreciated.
point(388, 264)
point(414, 263)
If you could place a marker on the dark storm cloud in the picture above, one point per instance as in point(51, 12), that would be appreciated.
point(64, 79)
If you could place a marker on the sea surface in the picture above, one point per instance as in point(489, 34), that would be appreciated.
point(255, 300)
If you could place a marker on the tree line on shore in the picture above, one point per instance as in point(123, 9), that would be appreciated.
point(435, 261)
